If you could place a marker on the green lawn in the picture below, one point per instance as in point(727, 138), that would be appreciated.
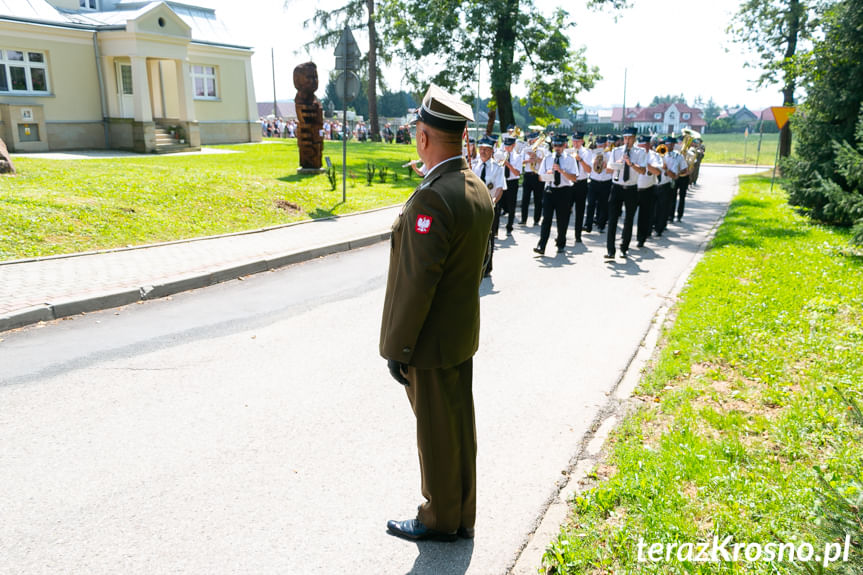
point(735, 149)
point(743, 401)
point(63, 206)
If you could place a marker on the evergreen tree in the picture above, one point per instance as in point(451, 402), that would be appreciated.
point(825, 174)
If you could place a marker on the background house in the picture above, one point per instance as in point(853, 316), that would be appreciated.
point(669, 118)
point(121, 74)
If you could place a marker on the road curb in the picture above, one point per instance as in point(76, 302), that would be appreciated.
point(618, 406)
point(59, 309)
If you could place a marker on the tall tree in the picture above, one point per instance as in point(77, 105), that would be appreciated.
point(669, 99)
point(825, 173)
point(356, 14)
point(773, 29)
point(445, 41)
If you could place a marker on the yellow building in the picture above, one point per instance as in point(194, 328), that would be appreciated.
point(116, 74)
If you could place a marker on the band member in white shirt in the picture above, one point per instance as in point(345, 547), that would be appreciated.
point(646, 184)
point(512, 165)
point(598, 186)
point(579, 188)
point(561, 170)
point(665, 187)
point(491, 173)
point(532, 186)
point(627, 162)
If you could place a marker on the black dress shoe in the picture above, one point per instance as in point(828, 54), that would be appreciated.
point(640, 244)
point(538, 250)
point(560, 249)
point(578, 240)
point(414, 530)
point(609, 256)
point(623, 253)
point(588, 230)
point(465, 532)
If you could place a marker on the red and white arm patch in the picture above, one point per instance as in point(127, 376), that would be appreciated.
point(423, 224)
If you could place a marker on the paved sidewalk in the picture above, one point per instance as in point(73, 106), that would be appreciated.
point(49, 288)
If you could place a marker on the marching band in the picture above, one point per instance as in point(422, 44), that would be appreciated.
point(609, 178)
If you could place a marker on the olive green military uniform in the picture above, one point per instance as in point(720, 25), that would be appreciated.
point(431, 323)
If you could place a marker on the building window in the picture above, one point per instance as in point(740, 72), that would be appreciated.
point(204, 81)
point(685, 115)
point(88, 4)
point(23, 71)
point(657, 116)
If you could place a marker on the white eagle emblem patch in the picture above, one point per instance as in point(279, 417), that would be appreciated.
point(423, 224)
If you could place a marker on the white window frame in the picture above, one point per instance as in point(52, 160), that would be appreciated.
point(657, 116)
point(88, 4)
point(684, 116)
point(207, 72)
point(6, 65)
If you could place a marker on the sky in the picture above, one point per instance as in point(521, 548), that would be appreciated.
point(662, 47)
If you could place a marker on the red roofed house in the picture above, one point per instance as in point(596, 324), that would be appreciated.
point(662, 119)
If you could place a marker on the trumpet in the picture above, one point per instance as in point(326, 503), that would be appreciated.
point(661, 149)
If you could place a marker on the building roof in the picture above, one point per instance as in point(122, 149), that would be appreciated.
point(286, 109)
point(205, 26)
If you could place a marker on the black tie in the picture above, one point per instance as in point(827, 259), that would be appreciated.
point(556, 173)
point(506, 169)
point(625, 166)
point(482, 174)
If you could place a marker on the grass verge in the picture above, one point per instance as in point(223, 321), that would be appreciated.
point(63, 206)
point(741, 410)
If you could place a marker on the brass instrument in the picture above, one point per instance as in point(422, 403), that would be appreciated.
point(686, 149)
point(599, 163)
point(661, 149)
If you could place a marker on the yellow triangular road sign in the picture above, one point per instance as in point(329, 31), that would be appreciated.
point(781, 114)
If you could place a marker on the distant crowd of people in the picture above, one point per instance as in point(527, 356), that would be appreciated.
point(334, 130)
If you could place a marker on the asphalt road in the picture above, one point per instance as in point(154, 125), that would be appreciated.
point(251, 427)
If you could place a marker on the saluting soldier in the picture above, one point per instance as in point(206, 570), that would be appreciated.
point(627, 162)
point(492, 176)
point(532, 186)
point(561, 170)
point(582, 156)
point(430, 325)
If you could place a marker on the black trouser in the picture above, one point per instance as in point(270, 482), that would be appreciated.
point(597, 204)
point(671, 195)
point(579, 197)
point(660, 219)
point(618, 198)
point(555, 202)
point(531, 185)
point(646, 202)
point(681, 187)
point(508, 201)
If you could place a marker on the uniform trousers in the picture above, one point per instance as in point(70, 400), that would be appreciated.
point(579, 197)
point(556, 202)
point(531, 186)
point(442, 400)
point(646, 201)
point(661, 206)
point(621, 196)
point(681, 186)
point(508, 201)
point(671, 194)
point(597, 204)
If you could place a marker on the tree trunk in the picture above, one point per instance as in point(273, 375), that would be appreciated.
point(502, 63)
point(504, 108)
point(489, 127)
point(372, 90)
point(793, 20)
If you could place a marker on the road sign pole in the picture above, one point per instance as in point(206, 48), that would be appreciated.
point(345, 135)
